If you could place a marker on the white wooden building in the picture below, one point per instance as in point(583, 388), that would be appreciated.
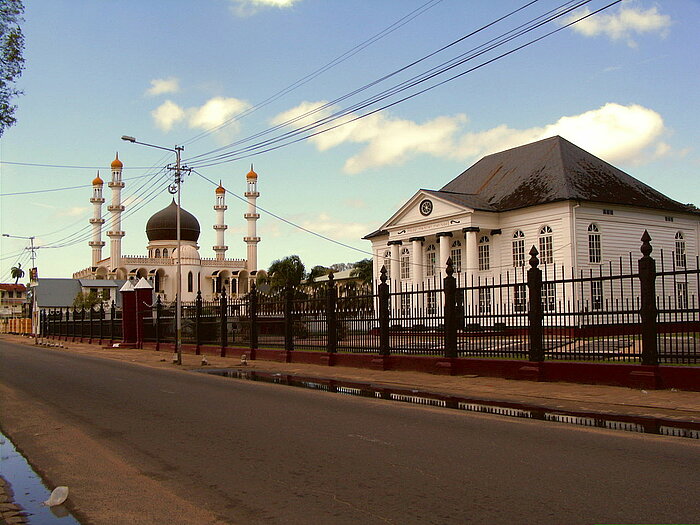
point(579, 212)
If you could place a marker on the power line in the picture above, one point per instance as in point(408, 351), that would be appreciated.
point(266, 146)
point(64, 188)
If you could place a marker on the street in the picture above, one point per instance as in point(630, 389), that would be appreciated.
point(245, 452)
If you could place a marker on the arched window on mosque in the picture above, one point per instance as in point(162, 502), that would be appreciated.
point(165, 252)
point(190, 284)
point(157, 253)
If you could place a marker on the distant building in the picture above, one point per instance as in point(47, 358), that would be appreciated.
point(13, 299)
point(159, 265)
point(578, 211)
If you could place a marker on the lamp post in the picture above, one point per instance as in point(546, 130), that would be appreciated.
point(178, 293)
point(33, 276)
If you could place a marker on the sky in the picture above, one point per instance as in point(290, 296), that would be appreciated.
point(220, 76)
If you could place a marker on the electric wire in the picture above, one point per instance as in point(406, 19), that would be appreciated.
point(307, 78)
point(65, 188)
point(266, 147)
point(362, 88)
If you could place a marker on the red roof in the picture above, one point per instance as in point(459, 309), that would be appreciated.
point(11, 287)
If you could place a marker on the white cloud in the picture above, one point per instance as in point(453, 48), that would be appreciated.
point(614, 132)
point(250, 7)
point(622, 25)
point(75, 211)
point(167, 114)
point(215, 112)
point(325, 225)
point(160, 86)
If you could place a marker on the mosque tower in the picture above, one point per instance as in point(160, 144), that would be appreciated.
point(252, 216)
point(115, 233)
point(97, 221)
point(220, 226)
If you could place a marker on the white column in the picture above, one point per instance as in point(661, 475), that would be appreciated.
point(417, 267)
point(395, 262)
point(445, 239)
point(220, 226)
point(97, 221)
point(471, 252)
point(252, 216)
point(115, 232)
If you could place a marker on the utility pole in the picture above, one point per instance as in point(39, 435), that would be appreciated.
point(176, 187)
point(33, 277)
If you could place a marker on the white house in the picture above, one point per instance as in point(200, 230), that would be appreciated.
point(579, 212)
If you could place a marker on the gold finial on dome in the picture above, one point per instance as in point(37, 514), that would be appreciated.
point(220, 189)
point(116, 163)
point(251, 174)
point(97, 181)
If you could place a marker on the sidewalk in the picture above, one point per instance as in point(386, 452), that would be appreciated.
point(567, 397)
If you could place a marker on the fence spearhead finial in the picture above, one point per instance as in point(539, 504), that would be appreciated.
point(449, 267)
point(646, 247)
point(382, 274)
point(534, 261)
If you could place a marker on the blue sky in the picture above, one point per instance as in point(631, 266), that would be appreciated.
point(621, 84)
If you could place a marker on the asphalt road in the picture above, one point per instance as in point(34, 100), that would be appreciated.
point(260, 453)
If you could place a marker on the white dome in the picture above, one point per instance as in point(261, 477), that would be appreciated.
point(188, 252)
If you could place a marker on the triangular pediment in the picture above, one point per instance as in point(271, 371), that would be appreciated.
point(424, 207)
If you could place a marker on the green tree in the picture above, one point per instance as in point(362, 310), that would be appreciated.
point(86, 300)
point(363, 270)
point(316, 272)
point(17, 272)
point(11, 59)
point(286, 272)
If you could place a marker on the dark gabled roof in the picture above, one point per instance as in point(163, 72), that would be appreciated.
point(376, 233)
point(549, 170)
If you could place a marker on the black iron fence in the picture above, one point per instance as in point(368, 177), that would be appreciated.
point(627, 311)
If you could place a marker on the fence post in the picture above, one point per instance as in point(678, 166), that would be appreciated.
point(384, 295)
point(91, 331)
point(253, 313)
point(224, 321)
point(159, 315)
point(198, 323)
point(450, 312)
point(331, 315)
point(102, 319)
point(535, 314)
point(112, 315)
point(288, 323)
point(648, 312)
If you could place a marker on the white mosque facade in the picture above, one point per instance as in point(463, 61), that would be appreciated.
point(159, 266)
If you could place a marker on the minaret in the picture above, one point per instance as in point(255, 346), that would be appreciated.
point(220, 226)
point(97, 221)
point(252, 216)
point(115, 232)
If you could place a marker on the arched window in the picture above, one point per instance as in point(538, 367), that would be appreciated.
point(387, 263)
point(405, 264)
point(680, 250)
point(518, 249)
point(190, 285)
point(484, 253)
point(546, 245)
point(594, 251)
point(456, 255)
point(430, 257)
point(165, 252)
point(157, 253)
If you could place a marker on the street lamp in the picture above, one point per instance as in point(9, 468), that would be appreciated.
point(35, 278)
point(178, 296)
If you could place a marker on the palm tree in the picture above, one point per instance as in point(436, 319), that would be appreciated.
point(17, 272)
point(363, 270)
point(286, 272)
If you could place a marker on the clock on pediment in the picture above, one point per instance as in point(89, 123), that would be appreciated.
point(426, 207)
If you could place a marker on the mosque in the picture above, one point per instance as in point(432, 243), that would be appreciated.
point(159, 266)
